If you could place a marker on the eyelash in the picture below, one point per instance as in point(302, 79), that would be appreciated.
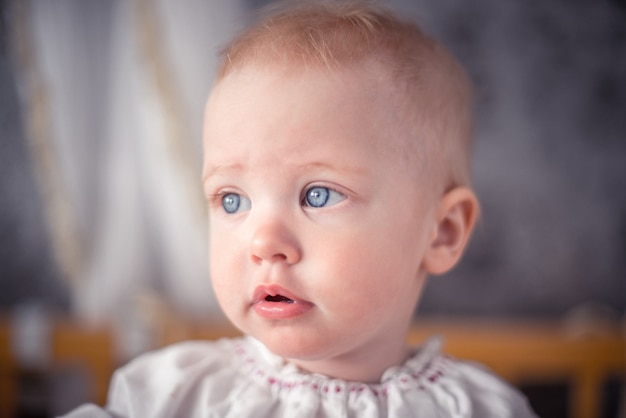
point(215, 199)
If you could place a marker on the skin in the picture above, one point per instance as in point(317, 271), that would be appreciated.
point(357, 264)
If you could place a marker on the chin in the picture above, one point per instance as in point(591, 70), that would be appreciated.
point(289, 345)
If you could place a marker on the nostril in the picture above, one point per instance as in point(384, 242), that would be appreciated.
point(275, 244)
point(274, 258)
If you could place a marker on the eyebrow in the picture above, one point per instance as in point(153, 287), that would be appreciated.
point(309, 166)
point(345, 168)
point(215, 170)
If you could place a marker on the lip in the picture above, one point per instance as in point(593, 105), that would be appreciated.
point(284, 305)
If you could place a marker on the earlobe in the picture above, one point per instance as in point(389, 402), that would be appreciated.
point(457, 214)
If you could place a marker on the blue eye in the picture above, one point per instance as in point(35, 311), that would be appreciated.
point(233, 202)
point(318, 197)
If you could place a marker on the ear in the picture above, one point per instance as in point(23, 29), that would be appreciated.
point(456, 216)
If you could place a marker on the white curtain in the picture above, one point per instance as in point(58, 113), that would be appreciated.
point(113, 95)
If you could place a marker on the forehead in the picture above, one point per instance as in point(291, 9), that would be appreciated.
point(287, 82)
point(345, 99)
point(276, 117)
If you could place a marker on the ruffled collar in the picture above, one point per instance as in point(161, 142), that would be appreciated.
point(423, 368)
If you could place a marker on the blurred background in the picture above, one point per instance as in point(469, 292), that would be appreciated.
point(102, 218)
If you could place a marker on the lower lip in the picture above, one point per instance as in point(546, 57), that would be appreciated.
point(281, 310)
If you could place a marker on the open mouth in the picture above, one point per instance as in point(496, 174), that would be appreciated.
point(273, 302)
point(275, 294)
point(278, 298)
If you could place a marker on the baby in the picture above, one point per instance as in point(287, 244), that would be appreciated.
point(337, 176)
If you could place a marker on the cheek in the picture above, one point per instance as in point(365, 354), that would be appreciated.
point(364, 275)
point(223, 264)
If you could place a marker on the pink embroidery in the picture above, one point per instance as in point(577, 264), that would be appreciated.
point(428, 374)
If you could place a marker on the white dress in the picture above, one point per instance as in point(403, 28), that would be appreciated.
point(241, 378)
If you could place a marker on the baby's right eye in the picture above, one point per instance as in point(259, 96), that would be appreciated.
point(234, 202)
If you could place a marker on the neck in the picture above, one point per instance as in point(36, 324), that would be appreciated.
point(365, 365)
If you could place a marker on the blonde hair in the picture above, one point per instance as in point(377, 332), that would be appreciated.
point(335, 35)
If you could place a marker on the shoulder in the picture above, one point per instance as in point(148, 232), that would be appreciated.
point(165, 379)
point(481, 392)
point(489, 394)
point(182, 357)
point(460, 388)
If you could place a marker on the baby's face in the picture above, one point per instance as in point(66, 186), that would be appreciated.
point(317, 228)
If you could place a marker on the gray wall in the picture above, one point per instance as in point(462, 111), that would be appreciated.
point(550, 155)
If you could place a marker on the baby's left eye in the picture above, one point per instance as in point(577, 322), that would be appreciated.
point(318, 197)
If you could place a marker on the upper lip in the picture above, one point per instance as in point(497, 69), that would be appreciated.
point(263, 291)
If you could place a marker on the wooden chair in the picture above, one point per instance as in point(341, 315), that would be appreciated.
point(88, 347)
point(72, 344)
point(8, 393)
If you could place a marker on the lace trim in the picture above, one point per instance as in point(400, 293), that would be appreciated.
point(423, 370)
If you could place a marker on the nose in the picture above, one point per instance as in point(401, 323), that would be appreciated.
point(273, 242)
